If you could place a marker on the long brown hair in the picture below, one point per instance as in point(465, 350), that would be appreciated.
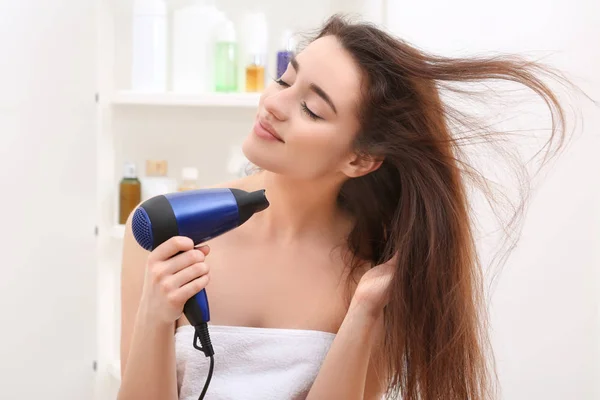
point(417, 205)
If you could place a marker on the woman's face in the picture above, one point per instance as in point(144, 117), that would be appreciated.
point(307, 121)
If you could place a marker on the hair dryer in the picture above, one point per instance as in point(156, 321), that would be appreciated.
point(200, 215)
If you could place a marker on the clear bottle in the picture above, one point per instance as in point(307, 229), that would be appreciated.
point(129, 192)
point(156, 181)
point(238, 163)
point(189, 176)
point(226, 59)
point(149, 46)
point(193, 25)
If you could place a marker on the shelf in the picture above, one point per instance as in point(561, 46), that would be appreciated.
point(118, 232)
point(245, 100)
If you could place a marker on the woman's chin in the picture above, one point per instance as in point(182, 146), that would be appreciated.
point(259, 156)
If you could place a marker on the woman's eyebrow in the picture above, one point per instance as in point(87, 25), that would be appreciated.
point(315, 88)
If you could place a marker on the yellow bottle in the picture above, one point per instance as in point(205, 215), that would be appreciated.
point(255, 78)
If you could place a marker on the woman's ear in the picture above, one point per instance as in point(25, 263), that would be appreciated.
point(361, 164)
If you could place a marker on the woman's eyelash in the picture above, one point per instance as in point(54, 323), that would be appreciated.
point(305, 108)
point(311, 114)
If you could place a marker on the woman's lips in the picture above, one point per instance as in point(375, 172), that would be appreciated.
point(266, 131)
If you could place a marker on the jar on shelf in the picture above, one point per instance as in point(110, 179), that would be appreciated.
point(189, 179)
point(156, 181)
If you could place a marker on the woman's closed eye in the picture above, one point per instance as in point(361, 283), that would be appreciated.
point(305, 108)
point(311, 114)
point(281, 82)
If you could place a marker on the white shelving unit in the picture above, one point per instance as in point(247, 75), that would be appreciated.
point(198, 130)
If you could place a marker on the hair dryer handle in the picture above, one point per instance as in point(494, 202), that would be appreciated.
point(196, 309)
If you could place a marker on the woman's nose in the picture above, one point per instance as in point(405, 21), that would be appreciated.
point(277, 104)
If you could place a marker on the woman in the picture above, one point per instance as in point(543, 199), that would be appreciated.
point(361, 279)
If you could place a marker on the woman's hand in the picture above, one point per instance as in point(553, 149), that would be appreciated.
point(172, 278)
point(372, 292)
point(354, 354)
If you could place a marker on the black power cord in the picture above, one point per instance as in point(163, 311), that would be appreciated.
point(201, 335)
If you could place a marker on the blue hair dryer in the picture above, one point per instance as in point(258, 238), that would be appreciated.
point(200, 215)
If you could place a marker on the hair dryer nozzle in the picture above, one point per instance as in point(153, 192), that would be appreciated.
point(249, 203)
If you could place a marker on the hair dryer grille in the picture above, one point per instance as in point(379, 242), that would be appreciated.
point(142, 229)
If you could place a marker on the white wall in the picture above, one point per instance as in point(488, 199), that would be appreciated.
point(47, 169)
point(544, 307)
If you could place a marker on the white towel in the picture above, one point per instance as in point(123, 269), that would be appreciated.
point(251, 363)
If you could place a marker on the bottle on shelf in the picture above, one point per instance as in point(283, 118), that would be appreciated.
point(149, 46)
point(193, 27)
point(226, 58)
point(156, 181)
point(129, 192)
point(189, 179)
point(237, 163)
point(285, 54)
point(255, 27)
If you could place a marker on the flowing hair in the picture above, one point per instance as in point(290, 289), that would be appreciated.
point(417, 204)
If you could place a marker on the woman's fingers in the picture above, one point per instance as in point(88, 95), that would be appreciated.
point(188, 274)
point(170, 248)
point(185, 259)
point(192, 288)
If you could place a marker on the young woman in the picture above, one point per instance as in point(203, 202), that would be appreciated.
point(361, 279)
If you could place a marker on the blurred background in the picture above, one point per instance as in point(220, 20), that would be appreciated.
point(106, 102)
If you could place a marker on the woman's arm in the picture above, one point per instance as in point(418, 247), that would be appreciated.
point(147, 346)
point(348, 371)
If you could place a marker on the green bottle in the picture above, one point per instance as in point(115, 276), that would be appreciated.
point(226, 59)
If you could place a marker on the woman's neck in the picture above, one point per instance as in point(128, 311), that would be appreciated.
point(299, 208)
